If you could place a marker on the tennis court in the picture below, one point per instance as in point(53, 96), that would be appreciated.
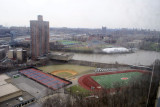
point(45, 79)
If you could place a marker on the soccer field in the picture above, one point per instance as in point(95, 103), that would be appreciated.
point(109, 81)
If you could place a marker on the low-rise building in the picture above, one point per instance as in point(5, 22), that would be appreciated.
point(18, 54)
point(11, 54)
point(11, 96)
point(7, 90)
point(21, 55)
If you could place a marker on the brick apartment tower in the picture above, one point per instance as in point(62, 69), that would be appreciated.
point(39, 37)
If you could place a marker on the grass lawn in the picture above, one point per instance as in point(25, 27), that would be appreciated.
point(109, 81)
point(76, 89)
point(63, 74)
point(77, 68)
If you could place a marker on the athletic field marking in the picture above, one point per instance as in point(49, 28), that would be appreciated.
point(124, 78)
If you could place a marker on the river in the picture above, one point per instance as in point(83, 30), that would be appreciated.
point(138, 58)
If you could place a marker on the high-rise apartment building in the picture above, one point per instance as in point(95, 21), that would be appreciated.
point(39, 37)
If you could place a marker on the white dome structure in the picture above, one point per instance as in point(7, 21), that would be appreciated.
point(116, 50)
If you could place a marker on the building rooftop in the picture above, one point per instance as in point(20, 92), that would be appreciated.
point(7, 89)
point(3, 77)
point(2, 83)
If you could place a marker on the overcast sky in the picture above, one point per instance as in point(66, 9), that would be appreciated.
point(83, 13)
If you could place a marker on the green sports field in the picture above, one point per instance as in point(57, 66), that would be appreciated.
point(68, 42)
point(109, 81)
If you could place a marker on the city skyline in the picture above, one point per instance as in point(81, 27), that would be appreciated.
point(83, 14)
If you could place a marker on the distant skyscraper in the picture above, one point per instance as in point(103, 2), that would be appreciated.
point(104, 30)
point(39, 37)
